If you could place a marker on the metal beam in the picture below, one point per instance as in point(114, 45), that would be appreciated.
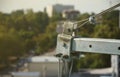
point(95, 45)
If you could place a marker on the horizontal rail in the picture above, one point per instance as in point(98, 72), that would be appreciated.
point(95, 45)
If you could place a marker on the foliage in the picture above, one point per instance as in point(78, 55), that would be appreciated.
point(17, 33)
point(94, 61)
point(47, 40)
point(10, 44)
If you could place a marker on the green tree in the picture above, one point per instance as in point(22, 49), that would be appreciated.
point(56, 17)
point(10, 45)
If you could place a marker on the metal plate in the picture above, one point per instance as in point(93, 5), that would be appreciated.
point(63, 44)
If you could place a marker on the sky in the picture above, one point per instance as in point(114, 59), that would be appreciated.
point(7, 6)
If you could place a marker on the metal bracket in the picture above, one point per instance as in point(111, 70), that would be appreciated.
point(63, 44)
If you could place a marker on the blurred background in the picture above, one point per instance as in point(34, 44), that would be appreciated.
point(28, 28)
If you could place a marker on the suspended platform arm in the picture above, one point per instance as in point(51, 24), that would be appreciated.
point(67, 45)
point(95, 45)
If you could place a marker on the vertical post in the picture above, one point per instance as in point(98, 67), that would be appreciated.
point(70, 68)
point(115, 62)
point(59, 69)
point(119, 18)
point(63, 68)
point(44, 70)
point(66, 68)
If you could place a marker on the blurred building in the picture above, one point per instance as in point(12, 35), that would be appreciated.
point(70, 14)
point(58, 8)
point(47, 66)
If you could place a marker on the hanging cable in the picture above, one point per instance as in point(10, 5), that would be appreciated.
point(59, 69)
point(71, 67)
point(66, 68)
point(63, 68)
point(107, 10)
point(82, 24)
point(81, 21)
point(99, 14)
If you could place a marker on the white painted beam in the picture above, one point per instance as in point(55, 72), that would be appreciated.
point(95, 45)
